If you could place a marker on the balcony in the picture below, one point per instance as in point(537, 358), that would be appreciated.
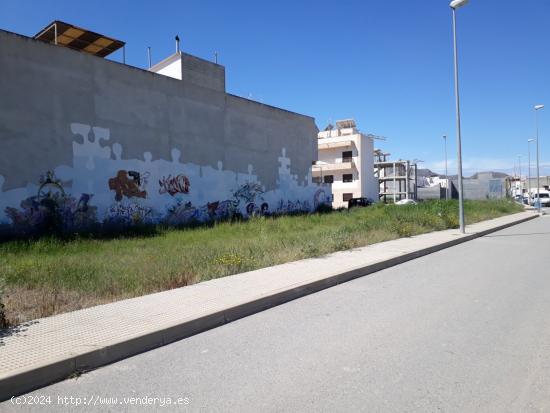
point(348, 143)
point(340, 166)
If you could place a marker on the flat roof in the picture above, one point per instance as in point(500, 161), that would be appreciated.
point(77, 38)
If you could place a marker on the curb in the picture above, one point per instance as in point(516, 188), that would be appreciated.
point(44, 375)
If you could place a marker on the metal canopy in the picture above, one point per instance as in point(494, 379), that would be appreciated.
point(77, 38)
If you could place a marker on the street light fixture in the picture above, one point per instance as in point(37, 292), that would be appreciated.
point(537, 108)
point(455, 4)
point(529, 170)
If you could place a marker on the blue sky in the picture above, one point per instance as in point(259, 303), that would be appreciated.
point(388, 64)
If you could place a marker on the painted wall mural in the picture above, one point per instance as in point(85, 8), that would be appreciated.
point(173, 185)
point(102, 187)
point(127, 184)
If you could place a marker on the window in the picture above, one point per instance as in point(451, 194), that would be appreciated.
point(347, 156)
point(347, 177)
point(346, 197)
point(316, 179)
point(328, 179)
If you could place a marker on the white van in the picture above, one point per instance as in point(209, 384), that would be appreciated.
point(544, 198)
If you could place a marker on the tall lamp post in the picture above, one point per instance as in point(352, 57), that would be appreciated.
point(537, 108)
point(520, 185)
point(455, 4)
point(529, 170)
point(446, 171)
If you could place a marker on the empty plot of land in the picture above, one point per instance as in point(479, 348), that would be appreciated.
point(50, 276)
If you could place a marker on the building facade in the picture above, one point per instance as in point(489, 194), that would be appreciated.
point(94, 141)
point(345, 160)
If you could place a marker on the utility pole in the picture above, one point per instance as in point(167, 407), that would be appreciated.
point(447, 185)
point(537, 108)
point(529, 170)
point(519, 167)
point(455, 4)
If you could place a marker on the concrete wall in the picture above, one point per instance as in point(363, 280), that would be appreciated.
point(543, 180)
point(484, 187)
point(431, 192)
point(91, 122)
point(369, 183)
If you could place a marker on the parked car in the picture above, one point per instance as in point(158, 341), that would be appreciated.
point(406, 202)
point(359, 202)
point(544, 199)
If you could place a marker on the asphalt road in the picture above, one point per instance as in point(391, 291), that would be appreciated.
point(466, 329)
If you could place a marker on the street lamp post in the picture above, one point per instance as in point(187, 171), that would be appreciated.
point(446, 171)
point(537, 108)
point(529, 170)
point(455, 4)
point(520, 185)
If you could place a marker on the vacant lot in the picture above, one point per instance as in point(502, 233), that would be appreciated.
point(49, 275)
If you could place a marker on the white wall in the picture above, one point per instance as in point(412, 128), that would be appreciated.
point(171, 67)
point(369, 183)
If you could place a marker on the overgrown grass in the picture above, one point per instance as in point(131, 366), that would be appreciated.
point(50, 275)
point(3, 319)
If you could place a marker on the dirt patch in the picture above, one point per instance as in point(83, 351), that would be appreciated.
point(24, 304)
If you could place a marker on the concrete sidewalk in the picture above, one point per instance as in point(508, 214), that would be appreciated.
point(53, 348)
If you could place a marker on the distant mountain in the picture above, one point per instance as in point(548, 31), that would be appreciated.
point(474, 176)
point(495, 175)
point(425, 173)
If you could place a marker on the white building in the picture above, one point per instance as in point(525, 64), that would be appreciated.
point(346, 161)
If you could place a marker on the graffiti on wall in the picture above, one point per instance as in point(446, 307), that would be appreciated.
point(131, 213)
point(102, 186)
point(128, 184)
point(51, 209)
point(173, 185)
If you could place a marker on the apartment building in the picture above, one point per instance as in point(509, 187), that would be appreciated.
point(345, 160)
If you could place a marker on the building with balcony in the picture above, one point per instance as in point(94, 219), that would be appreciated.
point(345, 160)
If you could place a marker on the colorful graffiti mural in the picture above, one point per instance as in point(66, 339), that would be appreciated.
point(174, 185)
point(52, 210)
point(103, 187)
point(127, 184)
point(131, 213)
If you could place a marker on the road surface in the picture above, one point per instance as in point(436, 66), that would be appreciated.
point(466, 329)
